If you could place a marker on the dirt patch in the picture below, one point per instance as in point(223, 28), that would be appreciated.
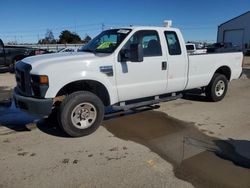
point(246, 72)
point(197, 158)
point(5, 94)
point(246, 60)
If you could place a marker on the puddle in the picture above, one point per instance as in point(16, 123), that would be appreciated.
point(197, 158)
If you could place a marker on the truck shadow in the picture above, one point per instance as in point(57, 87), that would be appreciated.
point(50, 126)
point(202, 160)
point(17, 121)
point(13, 118)
point(195, 95)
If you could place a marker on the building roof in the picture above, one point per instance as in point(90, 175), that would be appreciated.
point(235, 18)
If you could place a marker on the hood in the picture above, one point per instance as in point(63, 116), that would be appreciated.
point(58, 58)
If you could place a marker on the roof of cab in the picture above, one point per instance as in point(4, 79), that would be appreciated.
point(149, 28)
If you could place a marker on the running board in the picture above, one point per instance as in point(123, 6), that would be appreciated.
point(146, 103)
point(115, 114)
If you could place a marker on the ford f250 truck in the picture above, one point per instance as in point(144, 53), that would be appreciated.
point(123, 69)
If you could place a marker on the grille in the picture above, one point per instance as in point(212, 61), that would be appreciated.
point(23, 78)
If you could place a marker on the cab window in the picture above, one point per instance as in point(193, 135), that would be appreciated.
point(174, 47)
point(149, 39)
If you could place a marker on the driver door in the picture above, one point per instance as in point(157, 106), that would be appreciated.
point(142, 79)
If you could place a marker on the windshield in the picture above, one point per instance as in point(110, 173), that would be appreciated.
point(106, 42)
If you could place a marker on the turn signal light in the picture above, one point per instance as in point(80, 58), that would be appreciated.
point(43, 79)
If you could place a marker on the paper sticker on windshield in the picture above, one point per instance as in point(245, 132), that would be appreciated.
point(123, 31)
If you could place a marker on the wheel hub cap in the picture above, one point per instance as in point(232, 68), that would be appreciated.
point(220, 88)
point(83, 115)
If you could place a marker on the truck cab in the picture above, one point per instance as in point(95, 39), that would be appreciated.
point(122, 68)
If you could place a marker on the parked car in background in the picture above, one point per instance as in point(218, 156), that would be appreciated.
point(39, 52)
point(69, 49)
point(223, 47)
point(192, 49)
point(9, 55)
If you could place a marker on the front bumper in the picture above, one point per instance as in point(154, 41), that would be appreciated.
point(34, 106)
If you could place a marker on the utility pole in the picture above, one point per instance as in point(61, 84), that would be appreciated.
point(75, 26)
point(103, 26)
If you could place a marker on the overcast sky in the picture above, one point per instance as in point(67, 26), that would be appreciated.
point(28, 20)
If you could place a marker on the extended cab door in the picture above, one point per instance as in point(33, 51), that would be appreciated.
point(177, 61)
point(142, 79)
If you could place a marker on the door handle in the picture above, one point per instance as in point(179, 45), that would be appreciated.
point(164, 65)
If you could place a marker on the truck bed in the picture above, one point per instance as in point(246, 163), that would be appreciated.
point(203, 66)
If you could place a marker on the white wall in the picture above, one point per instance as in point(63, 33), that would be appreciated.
point(242, 22)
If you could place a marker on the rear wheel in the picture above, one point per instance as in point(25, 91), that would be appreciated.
point(217, 88)
point(81, 113)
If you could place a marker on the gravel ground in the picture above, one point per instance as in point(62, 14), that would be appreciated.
point(184, 143)
point(247, 61)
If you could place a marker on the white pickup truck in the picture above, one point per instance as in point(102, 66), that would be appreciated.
point(120, 69)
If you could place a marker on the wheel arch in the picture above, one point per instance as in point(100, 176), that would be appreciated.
point(224, 70)
point(93, 86)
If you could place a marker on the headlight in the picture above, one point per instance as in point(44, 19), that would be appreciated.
point(40, 85)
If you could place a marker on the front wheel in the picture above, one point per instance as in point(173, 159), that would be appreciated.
point(217, 88)
point(81, 113)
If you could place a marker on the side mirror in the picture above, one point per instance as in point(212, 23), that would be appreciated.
point(136, 53)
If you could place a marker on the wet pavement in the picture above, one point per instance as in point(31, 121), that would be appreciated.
point(202, 160)
point(197, 158)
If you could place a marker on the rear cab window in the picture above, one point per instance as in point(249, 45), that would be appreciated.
point(174, 47)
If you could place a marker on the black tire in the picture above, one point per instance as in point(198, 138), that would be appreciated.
point(217, 88)
point(69, 107)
